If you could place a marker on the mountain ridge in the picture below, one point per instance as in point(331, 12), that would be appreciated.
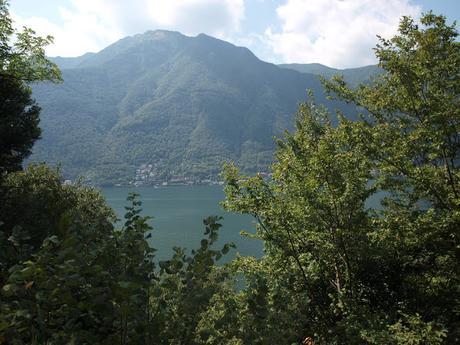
point(182, 105)
point(353, 76)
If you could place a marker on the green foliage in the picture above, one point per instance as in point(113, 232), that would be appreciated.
point(22, 61)
point(413, 141)
point(22, 54)
point(36, 205)
point(313, 220)
point(69, 277)
point(186, 287)
point(86, 283)
point(410, 329)
point(262, 311)
point(387, 274)
point(18, 123)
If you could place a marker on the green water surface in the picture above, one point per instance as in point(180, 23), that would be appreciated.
point(178, 217)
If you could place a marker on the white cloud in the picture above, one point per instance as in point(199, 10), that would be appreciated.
point(86, 26)
point(259, 44)
point(337, 33)
point(90, 25)
point(215, 17)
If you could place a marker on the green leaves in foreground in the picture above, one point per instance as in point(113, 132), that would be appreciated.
point(22, 61)
point(365, 216)
point(68, 276)
point(187, 285)
point(86, 284)
point(22, 54)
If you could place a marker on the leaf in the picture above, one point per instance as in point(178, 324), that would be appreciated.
point(3, 325)
point(124, 284)
point(53, 239)
point(8, 289)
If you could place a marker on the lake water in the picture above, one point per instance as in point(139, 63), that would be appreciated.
point(178, 217)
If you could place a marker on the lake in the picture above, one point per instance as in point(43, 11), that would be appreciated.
point(178, 217)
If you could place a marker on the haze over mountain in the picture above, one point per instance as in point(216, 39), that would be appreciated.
point(353, 76)
point(167, 105)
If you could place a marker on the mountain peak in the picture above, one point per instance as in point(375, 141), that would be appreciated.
point(160, 34)
point(180, 104)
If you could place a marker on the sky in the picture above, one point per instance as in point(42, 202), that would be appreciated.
point(336, 33)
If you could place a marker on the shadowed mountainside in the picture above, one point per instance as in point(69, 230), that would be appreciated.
point(179, 105)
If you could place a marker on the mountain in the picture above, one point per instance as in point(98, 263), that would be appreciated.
point(353, 76)
point(162, 106)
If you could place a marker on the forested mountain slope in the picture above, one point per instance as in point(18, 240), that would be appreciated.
point(174, 104)
point(353, 76)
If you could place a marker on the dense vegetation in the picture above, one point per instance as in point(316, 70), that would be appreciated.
point(333, 270)
point(183, 104)
point(20, 63)
point(360, 275)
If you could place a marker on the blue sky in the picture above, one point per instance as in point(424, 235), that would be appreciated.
point(338, 33)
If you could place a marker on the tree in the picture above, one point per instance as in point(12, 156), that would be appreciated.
point(22, 54)
point(86, 284)
point(18, 124)
point(383, 273)
point(21, 63)
point(35, 205)
point(67, 275)
point(412, 137)
point(186, 286)
point(313, 220)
